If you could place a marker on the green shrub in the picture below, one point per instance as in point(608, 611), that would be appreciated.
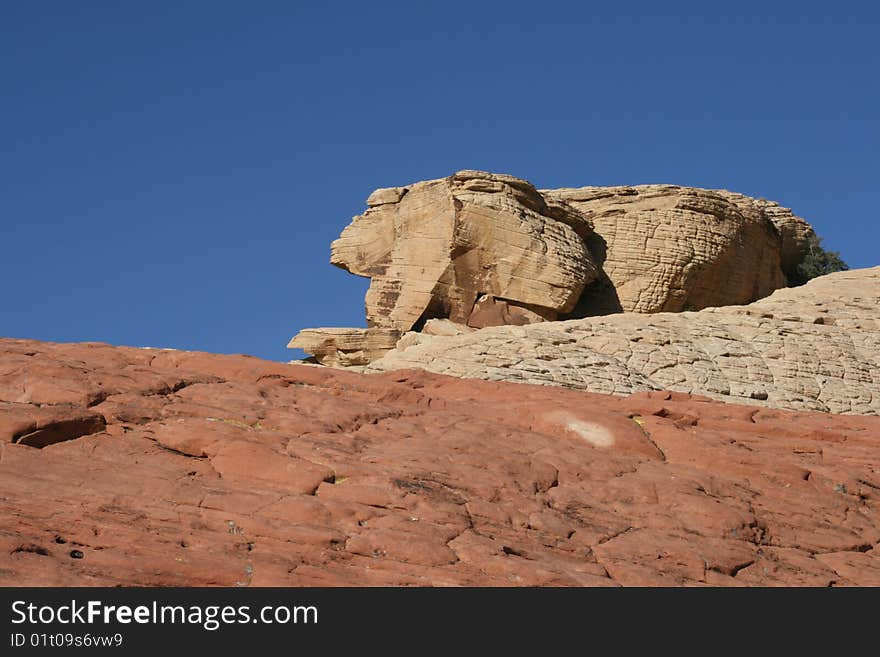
point(817, 262)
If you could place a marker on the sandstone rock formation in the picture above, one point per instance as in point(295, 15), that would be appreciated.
point(345, 347)
point(812, 347)
point(671, 248)
point(434, 248)
point(487, 249)
point(158, 467)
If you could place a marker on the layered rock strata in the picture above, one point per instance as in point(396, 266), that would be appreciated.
point(345, 347)
point(433, 249)
point(666, 248)
point(484, 249)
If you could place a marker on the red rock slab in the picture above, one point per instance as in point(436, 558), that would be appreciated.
point(39, 426)
point(122, 466)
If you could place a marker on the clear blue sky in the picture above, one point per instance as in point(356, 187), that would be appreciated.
point(172, 173)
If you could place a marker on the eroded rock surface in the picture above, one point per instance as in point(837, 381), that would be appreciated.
point(666, 248)
point(345, 347)
point(811, 347)
point(484, 249)
point(184, 469)
point(432, 249)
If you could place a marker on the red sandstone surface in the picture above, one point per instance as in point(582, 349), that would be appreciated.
point(156, 467)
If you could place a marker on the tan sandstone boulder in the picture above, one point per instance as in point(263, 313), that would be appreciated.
point(482, 250)
point(345, 347)
point(436, 248)
point(666, 248)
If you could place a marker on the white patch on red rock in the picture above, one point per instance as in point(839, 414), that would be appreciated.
point(593, 433)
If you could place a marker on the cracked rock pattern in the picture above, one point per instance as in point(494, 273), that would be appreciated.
point(434, 248)
point(813, 347)
point(667, 248)
point(160, 467)
point(483, 249)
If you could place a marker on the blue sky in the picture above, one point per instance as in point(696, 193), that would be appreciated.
point(172, 173)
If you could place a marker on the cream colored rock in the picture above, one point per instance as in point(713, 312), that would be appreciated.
point(385, 195)
point(445, 327)
point(434, 248)
point(345, 347)
point(670, 248)
point(481, 250)
point(812, 347)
